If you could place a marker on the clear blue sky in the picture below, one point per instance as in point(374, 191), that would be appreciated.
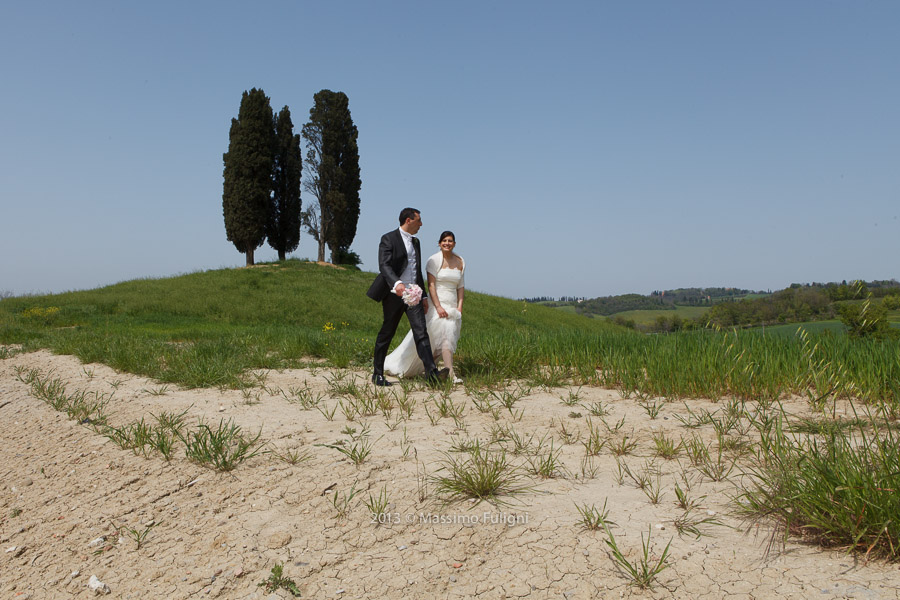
point(576, 148)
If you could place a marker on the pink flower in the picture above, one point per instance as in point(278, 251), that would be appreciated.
point(412, 295)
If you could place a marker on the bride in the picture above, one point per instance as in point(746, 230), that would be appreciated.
point(446, 287)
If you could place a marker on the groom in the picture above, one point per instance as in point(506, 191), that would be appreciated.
point(400, 265)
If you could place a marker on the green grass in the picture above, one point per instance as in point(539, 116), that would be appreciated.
point(222, 448)
point(479, 475)
point(837, 489)
point(209, 329)
point(648, 317)
point(790, 329)
point(644, 570)
point(568, 308)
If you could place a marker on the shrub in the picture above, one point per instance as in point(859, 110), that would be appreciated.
point(867, 320)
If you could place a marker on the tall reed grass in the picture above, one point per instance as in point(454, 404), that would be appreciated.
point(837, 489)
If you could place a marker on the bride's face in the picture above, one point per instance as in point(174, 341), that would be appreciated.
point(447, 244)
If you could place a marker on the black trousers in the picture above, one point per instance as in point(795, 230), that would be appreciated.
point(394, 308)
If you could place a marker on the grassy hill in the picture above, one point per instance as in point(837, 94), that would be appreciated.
point(212, 328)
point(208, 328)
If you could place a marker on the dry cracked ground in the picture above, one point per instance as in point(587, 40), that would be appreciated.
point(75, 504)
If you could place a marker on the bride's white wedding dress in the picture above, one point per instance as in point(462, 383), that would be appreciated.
point(443, 333)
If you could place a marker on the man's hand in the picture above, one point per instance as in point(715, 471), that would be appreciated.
point(425, 304)
point(400, 289)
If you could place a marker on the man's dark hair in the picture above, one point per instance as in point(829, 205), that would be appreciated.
point(408, 213)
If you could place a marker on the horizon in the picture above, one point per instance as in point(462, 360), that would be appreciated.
point(526, 297)
point(581, 149)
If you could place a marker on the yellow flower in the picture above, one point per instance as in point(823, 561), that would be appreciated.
point(36, 312)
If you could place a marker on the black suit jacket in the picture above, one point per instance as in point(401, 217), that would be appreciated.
point(392, 260)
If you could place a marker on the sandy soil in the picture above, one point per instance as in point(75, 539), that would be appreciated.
point(65, 488)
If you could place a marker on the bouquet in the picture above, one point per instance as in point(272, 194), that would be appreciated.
point(412, 295)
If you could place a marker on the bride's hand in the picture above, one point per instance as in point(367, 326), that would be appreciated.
point(441, 312)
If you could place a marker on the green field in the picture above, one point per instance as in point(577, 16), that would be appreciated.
point(790, 329)
point(648, 317)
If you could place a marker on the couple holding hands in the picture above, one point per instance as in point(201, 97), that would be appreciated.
point(435, 326)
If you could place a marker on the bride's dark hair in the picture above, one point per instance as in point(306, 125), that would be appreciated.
point(445, 234)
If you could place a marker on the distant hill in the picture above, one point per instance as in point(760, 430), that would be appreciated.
point(657, 300)
point(689, 308)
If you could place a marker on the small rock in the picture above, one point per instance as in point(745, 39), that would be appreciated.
point(452, 579)
point(26, 482)
point(457, 565)
point(398, 548)
point(97, 586)
point(74, 574)
point(221, 408)
point(586, 553)
point(660, 526)
point(279, 539)
point(711, 513)
point(238, 571)
point(98, 541)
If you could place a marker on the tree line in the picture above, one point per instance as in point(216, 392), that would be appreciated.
point(265, 171)
point(656, 300)
point(537, 299)
point(861, 306)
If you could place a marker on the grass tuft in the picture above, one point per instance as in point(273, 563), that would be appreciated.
point(222, 448)
point(644, 570)
point(482, 475)
point(839, 490)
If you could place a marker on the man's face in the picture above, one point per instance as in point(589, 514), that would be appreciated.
point(412, 225)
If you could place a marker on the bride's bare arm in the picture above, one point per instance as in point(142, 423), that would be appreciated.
point(460, 296)
point(432, 290)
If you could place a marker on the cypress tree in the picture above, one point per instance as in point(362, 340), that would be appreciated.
point(248, 173)
point(332, 167)
point(283, 225)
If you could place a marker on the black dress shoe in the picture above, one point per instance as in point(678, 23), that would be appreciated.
point(438, 376)
point(380, 381)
